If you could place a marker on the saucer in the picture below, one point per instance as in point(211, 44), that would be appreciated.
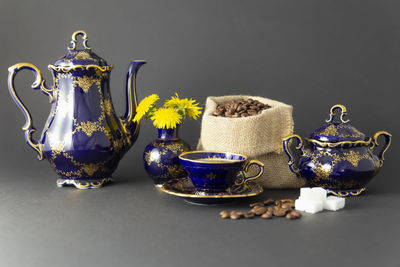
point(184, 188)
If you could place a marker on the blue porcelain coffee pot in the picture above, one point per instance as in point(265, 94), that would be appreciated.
point(83, 138)
point(337, 156)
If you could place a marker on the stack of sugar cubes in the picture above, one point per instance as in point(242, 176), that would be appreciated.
point(313, 200)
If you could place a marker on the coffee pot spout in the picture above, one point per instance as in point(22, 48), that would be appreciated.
point(131, 128)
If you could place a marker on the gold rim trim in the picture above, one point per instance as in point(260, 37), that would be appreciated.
point(82, 67)
point(342, 143)
point(84, 184)
point(211, 151)
point(257, 189)
point(347, 193)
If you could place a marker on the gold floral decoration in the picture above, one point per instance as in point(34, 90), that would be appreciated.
point(85, 82)
point(90, 169)
point(82, 55)
point(354, 157)
point(89, 127)
point(330, 131)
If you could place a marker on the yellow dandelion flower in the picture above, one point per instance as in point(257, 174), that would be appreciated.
point(144, 106)
point(166, 118)
point(184, 106)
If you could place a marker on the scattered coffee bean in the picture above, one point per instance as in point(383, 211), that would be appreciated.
point(269, 201)
point(261, 204)
point(279, 212)
point(267, 215)
point(265, 209)
point(240, 108)
point(293, 215)
point(249, 215)
point(259, 210)
point(287, 200)
point(225, 214)
point(287, 205)
point(235, 215)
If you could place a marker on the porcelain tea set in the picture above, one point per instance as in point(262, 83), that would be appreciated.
point(84, 139)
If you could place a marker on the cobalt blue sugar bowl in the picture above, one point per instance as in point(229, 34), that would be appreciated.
point(215, 172)
point(337, 156)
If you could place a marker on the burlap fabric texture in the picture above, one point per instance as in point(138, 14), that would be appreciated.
point(258, 137)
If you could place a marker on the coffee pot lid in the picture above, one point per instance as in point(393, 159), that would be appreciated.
point(337, 131)
point(84, 56)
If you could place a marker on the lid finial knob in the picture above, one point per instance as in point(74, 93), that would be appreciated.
point(342, 114)
point(74, 41)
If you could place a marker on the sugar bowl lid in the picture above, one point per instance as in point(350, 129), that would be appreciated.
point(334, 132)
point(77, 57)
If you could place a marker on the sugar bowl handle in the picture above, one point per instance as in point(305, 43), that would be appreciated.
point(388, 140)
point(287, 149)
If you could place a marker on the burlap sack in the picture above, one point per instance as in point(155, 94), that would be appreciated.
point(258, 137)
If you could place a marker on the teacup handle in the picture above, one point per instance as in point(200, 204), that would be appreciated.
point(246, 169)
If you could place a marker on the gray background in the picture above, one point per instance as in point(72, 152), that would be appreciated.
point(310, 54)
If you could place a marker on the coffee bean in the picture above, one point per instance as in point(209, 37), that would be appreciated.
point(224, 214)
point(287, 200)
point(251, 112)
point(293, 215)
point(249, 215)
point(267, 215)
point(269, 201)
point(264, 209)
point(236, 215)
point(279, 212)
point(287, 205)
point(249, 107)
point(259, 210)
point(252, 205)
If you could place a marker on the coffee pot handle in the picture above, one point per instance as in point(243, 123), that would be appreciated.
point(388, 140)
point(287, 149)
point(39, 83)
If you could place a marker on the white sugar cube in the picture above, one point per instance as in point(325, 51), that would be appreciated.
point(304, 191)
point(315, 193)
point(319, 193)
point(334, 203)
point(313, 206)
point(300, 204)
point(313, 200)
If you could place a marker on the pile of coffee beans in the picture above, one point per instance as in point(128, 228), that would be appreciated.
point(240, 108)
point(266, 210)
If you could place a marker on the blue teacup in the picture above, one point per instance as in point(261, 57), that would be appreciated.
point(214, 172)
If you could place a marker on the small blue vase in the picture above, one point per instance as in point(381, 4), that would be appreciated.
point(160, 157)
